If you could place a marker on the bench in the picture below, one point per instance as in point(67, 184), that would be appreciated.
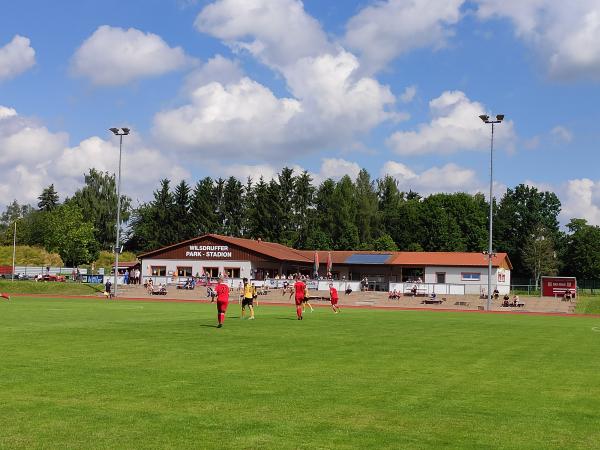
point(462, 303)
point(420, 292)
point(433, 301)
point(561, 292)
point(157, 291)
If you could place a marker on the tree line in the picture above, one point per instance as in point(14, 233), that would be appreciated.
point(348, 214)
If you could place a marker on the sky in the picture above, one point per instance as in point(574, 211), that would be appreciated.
point(246, 87)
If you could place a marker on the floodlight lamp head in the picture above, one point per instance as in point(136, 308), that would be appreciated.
point(500, 117)
point(127, 130)
point(484, 117)
point(114, 130)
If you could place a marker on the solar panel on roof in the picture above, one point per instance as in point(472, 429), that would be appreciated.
point(361, 258)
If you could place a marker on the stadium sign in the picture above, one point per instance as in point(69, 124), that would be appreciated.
point(208, 251)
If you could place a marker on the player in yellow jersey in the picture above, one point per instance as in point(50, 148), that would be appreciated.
point(248, 299)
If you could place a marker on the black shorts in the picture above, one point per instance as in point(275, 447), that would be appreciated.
point(305, 299)
point(247, 302)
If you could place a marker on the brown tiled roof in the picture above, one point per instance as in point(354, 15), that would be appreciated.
point(450, 259)
point(270, 249)
point(340, 256)
point(416, 258)
point(284, 253)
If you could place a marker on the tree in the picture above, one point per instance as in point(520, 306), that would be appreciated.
point(345, 232)
point(233, 207)
point(14, 213)
point(97, 200)
point(365, 199)
point(582, 254)
point(521, 210)
point(153, 223)
point(303, 199)
point(539, 257)
point(67, 234)
point(438, 228)
point(203, 219)
point(48, 199)
point(384, 243)
point(181, 212)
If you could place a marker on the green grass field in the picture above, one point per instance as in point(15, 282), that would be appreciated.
point(97, 374)
point(50, 288)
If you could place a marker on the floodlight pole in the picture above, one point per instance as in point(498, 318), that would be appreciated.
point(490, 252)
point(118, 132)
point(12, 278)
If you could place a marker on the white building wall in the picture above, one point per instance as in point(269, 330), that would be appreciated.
point(196, 265)
point(456, 275)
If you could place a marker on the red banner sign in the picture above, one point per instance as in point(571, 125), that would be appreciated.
point(557, 286)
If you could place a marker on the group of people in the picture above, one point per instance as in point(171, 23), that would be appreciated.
point(506, 302)
point(249, 295)
point(161, 289)
point(133, 276)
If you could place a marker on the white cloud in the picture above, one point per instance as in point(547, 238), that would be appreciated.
point(448, 178)
point(114, 56)
point(581, 199)
point(562, 134)
point(219, 69)
point(278, 33)
point(7, 112)
point(335, 168)
point(329, 105)
point(16, 57)
point(246, 120)
point(409, 94)
point(387, 29)
point(564, 34)
point(34, 157)
point(455, 126)
point(23, 141)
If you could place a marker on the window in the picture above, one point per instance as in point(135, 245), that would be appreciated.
point(413, 274)
point(501, 277)
point(184, 271)
point(470, 276)
point(158, 271)
point(211, 272)
point(232, 272)
point(440, 277)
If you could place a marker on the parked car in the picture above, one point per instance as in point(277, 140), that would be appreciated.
point(52, 277)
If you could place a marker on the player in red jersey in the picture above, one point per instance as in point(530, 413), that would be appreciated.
point(333, 297)
point(222, 301)
point(299, 293)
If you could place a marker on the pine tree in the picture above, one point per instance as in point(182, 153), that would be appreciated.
point(48, 199)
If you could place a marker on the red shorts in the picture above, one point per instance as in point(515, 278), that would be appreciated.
point(299, 301)
point(334, 301)
point(222, 306)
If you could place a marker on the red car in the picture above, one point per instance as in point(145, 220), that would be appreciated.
point(50, 277)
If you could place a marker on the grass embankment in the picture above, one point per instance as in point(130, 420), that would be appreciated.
point(49, 287)
point(110, 374)
point(588, 305)
point(29, 256)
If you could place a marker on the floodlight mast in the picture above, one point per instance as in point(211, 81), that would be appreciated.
point(490, 253)
point(118, 132)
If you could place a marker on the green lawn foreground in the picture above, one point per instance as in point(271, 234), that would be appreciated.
point(77, 373)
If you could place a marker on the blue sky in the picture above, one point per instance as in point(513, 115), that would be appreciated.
point(245, 87)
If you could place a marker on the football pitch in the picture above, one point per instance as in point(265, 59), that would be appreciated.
point(119, 374)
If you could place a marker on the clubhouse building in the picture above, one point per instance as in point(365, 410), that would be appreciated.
point(269, 263)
